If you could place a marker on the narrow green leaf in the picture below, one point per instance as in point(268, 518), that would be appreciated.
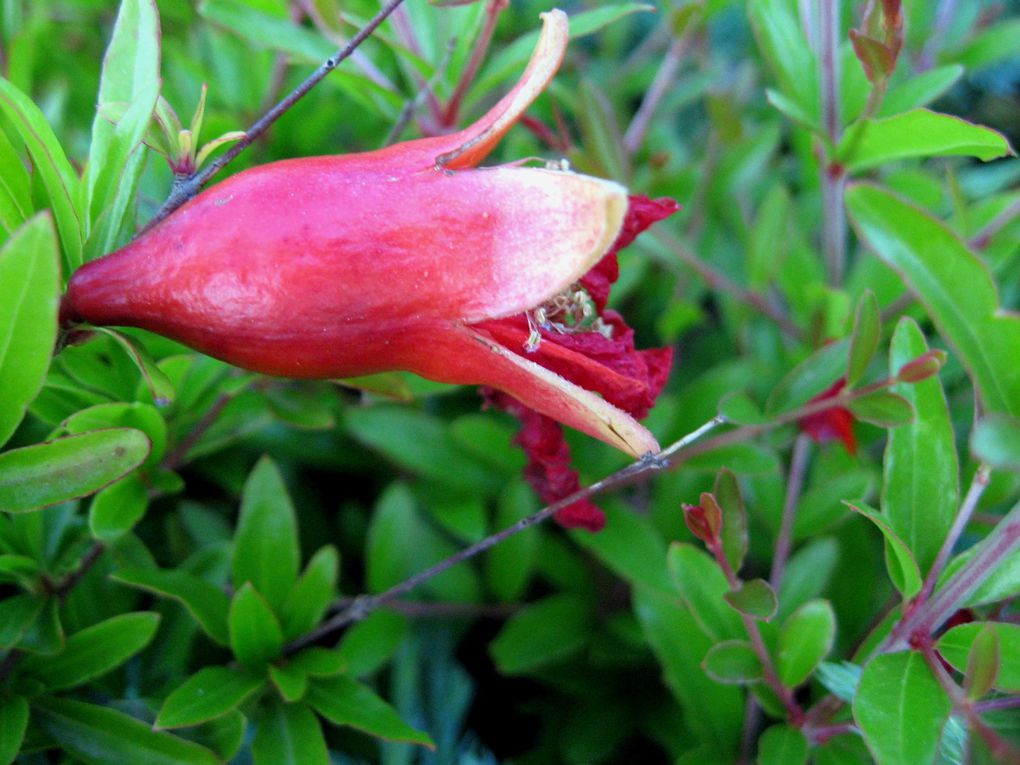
point(734, 527)
point(996, 440)
point(739, 409)
point(288, 734)
point(255, 635)
point(209, 693)
point(544, 633)
point(805, 639)
point(15, 188)
point(45, 635)
point(809, 378)
point(920, 490)
point(884, 409)
point(101, 736)
point(289, 680)
point(955, 647)
point(369, 644)
point(317, 661)
point(29, 271)
point(19, 569)
point(982, 663)
point(38, 476)
point(781, 39)
point(120, 414)
point(703, 588)
point(920, 89)
point(754, 598)
point(841, 680)
point(310, 597)
point(768, 237)
point(864, 340)
point(206, 602)
point(782, 745)
point(900, 708)
point(953, 284)
point(94, 651)
point(899, 560)
point(159, 385)
point(13, 722)
point(733, 662)
point(344, 701)
point(991, 44)
point(117, 508)
point(16, 614)
point(51, 164)
point(509, 565)
point(266, 550)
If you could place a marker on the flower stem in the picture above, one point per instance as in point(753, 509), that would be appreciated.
point(660, 87)
point(794, 484)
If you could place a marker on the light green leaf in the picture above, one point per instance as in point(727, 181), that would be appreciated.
point(344, 701)
point(996, 440)
point(733, 662)
point(15, 188)
point(900, 708)
point(544, 633)
point(369, 644)
point(921, 489)
point(209, 693)
point(266, 545)
point(899, 560)
point(94, 651)
point(117, 508)
point(864, 340)
point(754, 598)
point(289, 680)
point(121, 414)
point(101, 736)
point(34, 477)
point(809, 378)
point(159, 385)
point(13, 722)
point(955, 647)
point(884, 409)
point(920, 89)
point(206, 602)
point(953, 284)
point(782, 745)
point(315, 589)
point(255, 635)
point(317, 661)
point(782, 42)
point(29, 273)
point(805, 639)
point(703, 588)
point(288, 734)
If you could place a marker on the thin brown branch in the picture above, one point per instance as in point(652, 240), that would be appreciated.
point(64, 586)
point(794, 484)
point(478, 53)
point(179, 454)
point(660, 87)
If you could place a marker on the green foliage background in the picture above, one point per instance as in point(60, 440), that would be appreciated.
point(173, 527)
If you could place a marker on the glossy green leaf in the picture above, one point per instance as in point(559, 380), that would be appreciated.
point(130, 77)
point(13, 722)
point(804, 640)
point(289, 680)
point(288, 734)
point(754, 598)
point(344, 701)
point(102, 736)
point(920, 490)
point(255, 634)
point(209, 693)
point(546, 632)
point(17, 612)
point(143, 417)
point(900, 562)
point(311, 595)
point(809, 378)
point(266, 550)
point(953, 284)
point(57, 174)
point(94, 651)
point(34, 477)
point(206, 602)
point(117, 508)
point(864, 340)
point(29, 271)
point(733, 662)
point(15, 188)
point(703, 588)
point(918, 133)
point(996, 441)
point(900, 708)
point(884, 409)
point(782, 745)
point(955, 647)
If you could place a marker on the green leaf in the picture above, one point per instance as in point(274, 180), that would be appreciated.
point(143, 417)
point(953, 284)
point(51, 164)
point(955, 647)
point(996, 440)
point(101, 736)
point(921, 490)
point(19, 569)
point(864, 340)
point(982, 664)
point(206, 602)
point(13, 722)
point(509, 565)
point(841, 680)
point(29, 271)
point(546, 632)
point(344, 701)
point(209, 693)
point(768, 237)
point(288, 734)
point(782, 745)
point(884, 409)
point(289, 680)
point(899, 561)
point(45, 635)
point(16, 615)
point(117, 508)
point(900, 708)
point(809, 378)
point(703, 588)
point(317, 661)
point(733, 662)
point(754, 598)
point(159, 385)
point(630, 546)
point(917, 133)
point(734, 527)
point(781, 40)
point(920, 89)
point(991, 45)
point(15, 188)
point(369, 644)
point(130, 77)
point(94, 651)
point(805, 639)
point(310, 597)
point(266, 550)
point(38, 476)
point(255, 635)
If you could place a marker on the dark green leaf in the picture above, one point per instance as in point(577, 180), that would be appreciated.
point(344, 701)
point(209, 693)
point(159, 385)
point(782, 745)
point(289, 680)
point(16, 614)
point(255, 635)
point(101, 736)
point(955, 647)
point(19, 569)
point(319, 662)
point(630, 546)
point(900, 708)
point(546, 632)
point(733, 662)
point(13, 722)
point(29, 271)
point(805, 639)
point(207, 603)
point(982, 663)
point(117, 508)
point(143, 417)
point(884, 409)
point(754, 598)
point(266, 550)
point(864, 340)
point(369, 644)
point(45, 635)
point(288, 734)
point(996, 440)
point(509, 565)
point(94, 651)
point(34, 477)
point(703, 588)
point(310, 597)
point(899, 560)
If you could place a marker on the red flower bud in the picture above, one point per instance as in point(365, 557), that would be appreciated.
point(704, 520)
point(835, 424)
point(407, 258)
